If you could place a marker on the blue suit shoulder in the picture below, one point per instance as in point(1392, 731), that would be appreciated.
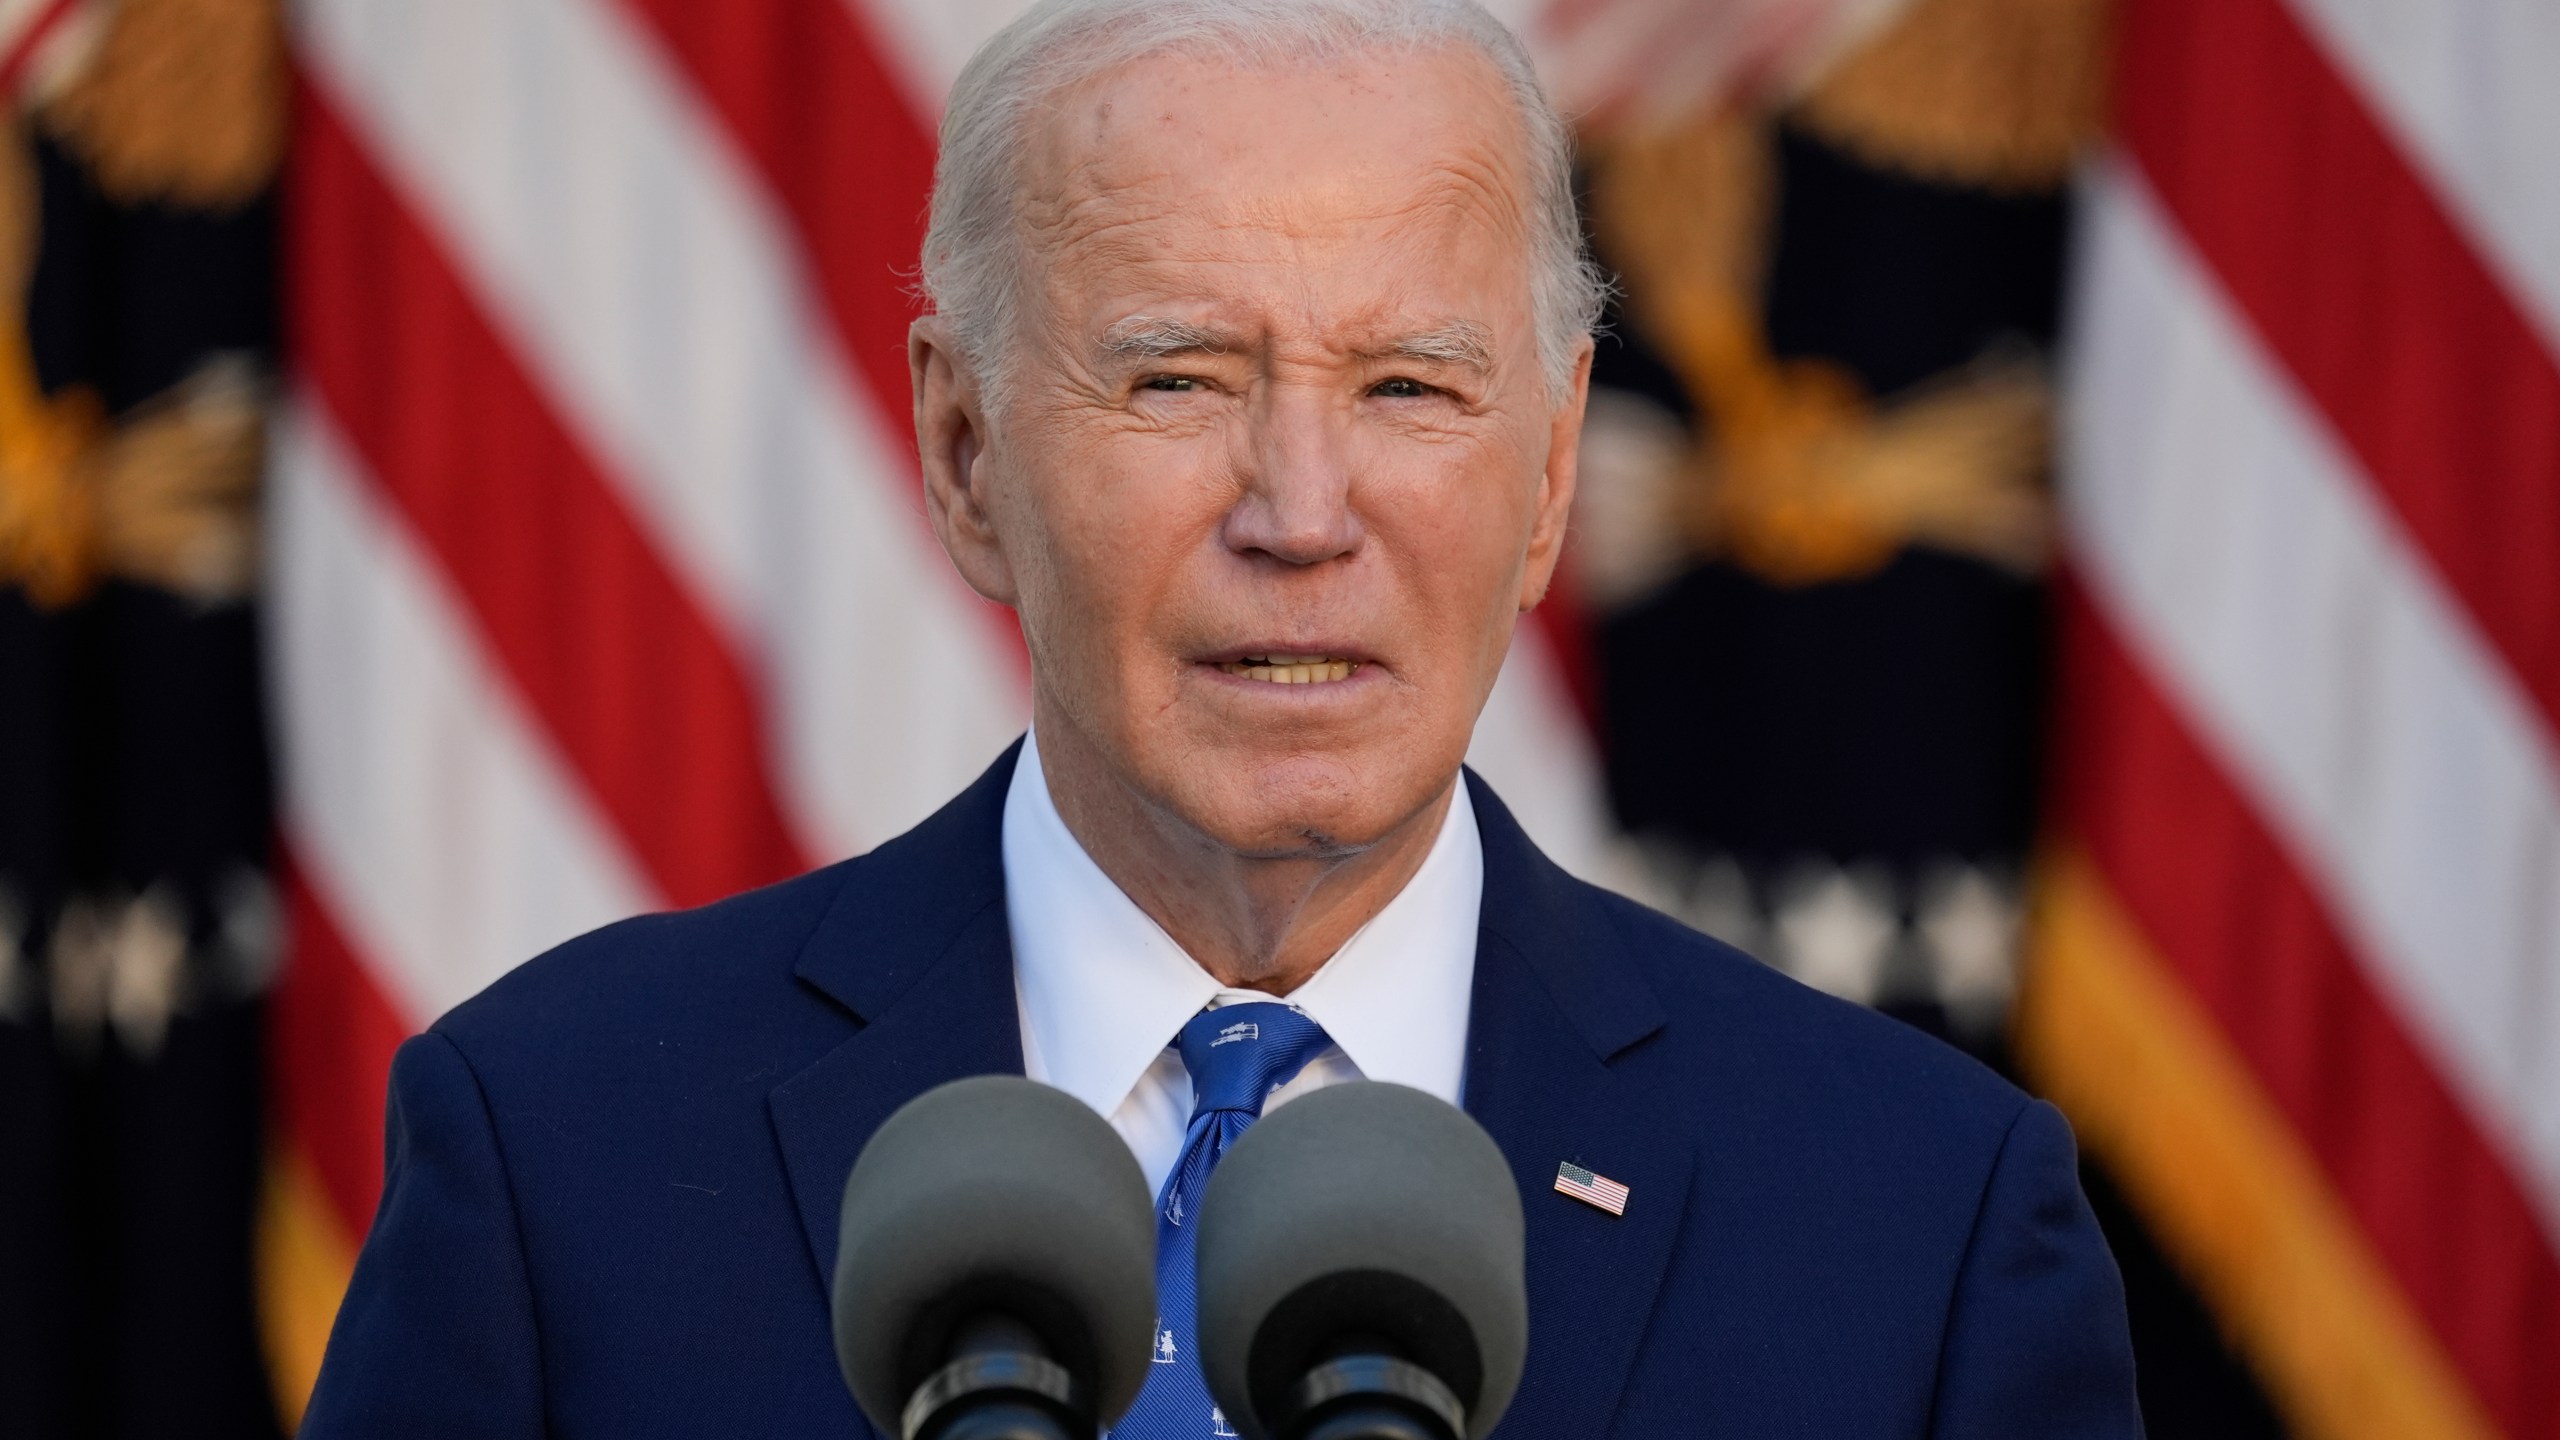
point(1889, 1172)
point(604, 1100)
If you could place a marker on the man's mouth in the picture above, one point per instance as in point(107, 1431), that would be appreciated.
point(1291, 669)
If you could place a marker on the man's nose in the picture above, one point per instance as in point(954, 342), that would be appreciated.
point(1296, 505)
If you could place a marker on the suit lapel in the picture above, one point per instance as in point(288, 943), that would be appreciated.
point(1556, 1000)
point(916, 949)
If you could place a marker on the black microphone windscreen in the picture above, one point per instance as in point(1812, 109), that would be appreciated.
point(994, 1195)
point(1363, 1212)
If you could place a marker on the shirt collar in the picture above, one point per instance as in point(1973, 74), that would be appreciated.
point(1103, 989)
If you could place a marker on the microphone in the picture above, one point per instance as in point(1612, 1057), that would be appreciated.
point(1360, 1272)
point(995, 1268)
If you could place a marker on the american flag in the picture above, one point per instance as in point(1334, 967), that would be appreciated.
point(1583, 1185)
point(2299, 982)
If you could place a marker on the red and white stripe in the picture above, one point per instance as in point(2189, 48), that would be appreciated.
point(42, 42)
point(601, 580)
point(2313, 506)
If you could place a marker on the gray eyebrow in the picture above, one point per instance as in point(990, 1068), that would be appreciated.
point(1460, 342)
point(1153, 337)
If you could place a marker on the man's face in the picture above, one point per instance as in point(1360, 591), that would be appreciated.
point(1277, 400)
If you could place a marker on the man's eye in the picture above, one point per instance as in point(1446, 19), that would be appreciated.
point(1174, 383)
point(1400, 389)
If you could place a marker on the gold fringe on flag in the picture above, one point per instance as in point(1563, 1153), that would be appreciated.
point(2106, 1030)
point(305, 1260)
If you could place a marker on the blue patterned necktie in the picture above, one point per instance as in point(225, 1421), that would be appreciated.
point(1237, 1055)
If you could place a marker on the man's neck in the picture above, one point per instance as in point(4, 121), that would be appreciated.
point(1253, 922)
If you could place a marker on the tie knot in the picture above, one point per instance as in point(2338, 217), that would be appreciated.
point(1237, 1053)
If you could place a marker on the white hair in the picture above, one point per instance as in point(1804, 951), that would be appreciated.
point(972, 245)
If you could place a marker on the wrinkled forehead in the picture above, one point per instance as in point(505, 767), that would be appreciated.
point(1397, 168)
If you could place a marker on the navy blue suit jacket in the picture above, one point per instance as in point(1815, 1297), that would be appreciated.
point(611, 1203)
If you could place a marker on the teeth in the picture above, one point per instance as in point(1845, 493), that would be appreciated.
point(1291, 669)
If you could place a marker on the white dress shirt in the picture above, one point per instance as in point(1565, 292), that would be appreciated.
point(1103, 990)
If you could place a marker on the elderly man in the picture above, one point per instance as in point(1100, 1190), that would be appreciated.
point(1258, 354)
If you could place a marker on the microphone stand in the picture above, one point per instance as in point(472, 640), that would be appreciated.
point(1369, 1396)
point(1000, 1385)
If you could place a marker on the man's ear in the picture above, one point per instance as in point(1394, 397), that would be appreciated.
point(951, 440)
point(1555, 485)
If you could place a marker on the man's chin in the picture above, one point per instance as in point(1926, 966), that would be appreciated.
point(1297, 810)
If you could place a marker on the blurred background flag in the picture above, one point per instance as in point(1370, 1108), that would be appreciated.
point(1815, 537)
point(2298, 970)
point(1815, 528)
point(137, 150)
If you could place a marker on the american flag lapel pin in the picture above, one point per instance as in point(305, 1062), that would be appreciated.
point(1590, 1189)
